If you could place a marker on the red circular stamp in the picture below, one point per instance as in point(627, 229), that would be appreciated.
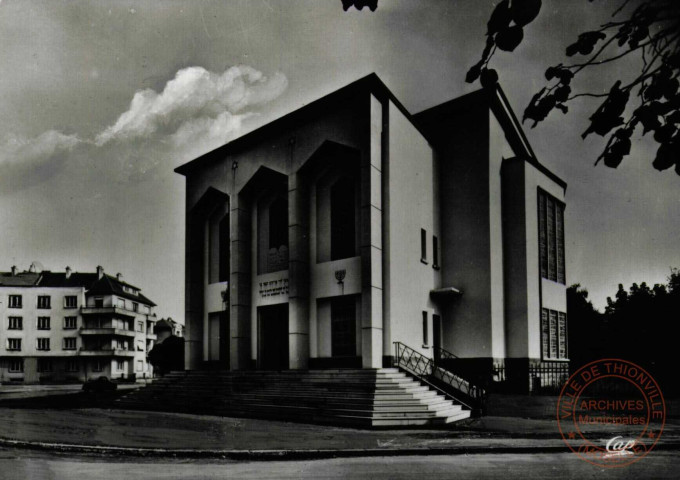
point(611, 412)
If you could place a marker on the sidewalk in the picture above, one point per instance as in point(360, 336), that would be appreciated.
point(126, 432)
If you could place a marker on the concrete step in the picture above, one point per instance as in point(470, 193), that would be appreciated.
point(384, 397)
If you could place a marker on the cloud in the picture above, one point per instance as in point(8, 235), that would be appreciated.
point(27, 161)
point(194, 94)
point(196, 111)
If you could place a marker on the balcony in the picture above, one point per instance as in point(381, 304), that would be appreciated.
point(120, 332)
point(151, 336)
point(108, 352)
point(89, 310)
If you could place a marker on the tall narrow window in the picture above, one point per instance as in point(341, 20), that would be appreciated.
point(554, 335)
point(70, 301)
point(423, 245)
point(15, 323)
point(43, 344)
point(425, 329)
point(551, 238)
point(224, 249)
point(342, 219)
point(435, 252)
point(277, 256)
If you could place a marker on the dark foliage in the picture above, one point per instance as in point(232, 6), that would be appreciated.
point(636, 325)
point(650, 30)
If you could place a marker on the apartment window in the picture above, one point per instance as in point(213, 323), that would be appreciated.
point(15, 301)
point(14, 344)
point(551, 237)
point(435, 252)
point(423, 245)
point(43, 323)
point(135, 306)
point(70, 343)
point(554, 335)
point(98, 302)
point(44, 301)
point(43, 344)
point(120, 365)
point(98, 366)
point(71, 301)
point(121, 303)
point(140, 326)
point(72, 366)
point(44, 365)
point(70, 323)
point(140, 365)
point(16, 365)
point(425, 329)
point(15, 323)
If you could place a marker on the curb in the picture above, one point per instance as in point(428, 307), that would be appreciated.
point(263, 455)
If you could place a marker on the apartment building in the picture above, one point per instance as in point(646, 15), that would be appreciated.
point(70, 326)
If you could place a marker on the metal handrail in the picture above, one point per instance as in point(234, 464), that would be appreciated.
point(423, 367)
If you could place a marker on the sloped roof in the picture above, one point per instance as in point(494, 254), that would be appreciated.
point(107, 285)
point(370, 83)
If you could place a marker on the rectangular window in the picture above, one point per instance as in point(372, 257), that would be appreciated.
point(423, 245)
point(562, 335)
point(140, 326)
point(43, 344)
point(120, 365)
point(70, 343)
point(551, 238)
point(15, 323)
point(43, 323)
point(72, 366)
point(343, 327)
point(425, 332)
point(14, 344)
point(98, 366)
point(135, 306)
point(71, 301)
point(15, 301)
point(98, 302)
point(44, 365)
point(554, 335)
point(140, 365)
point(70, 323)
point(435, 252)
point(121, 303)
point(44, 301)
point(16, 365)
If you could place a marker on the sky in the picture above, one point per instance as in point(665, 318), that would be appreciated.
point(100, 101)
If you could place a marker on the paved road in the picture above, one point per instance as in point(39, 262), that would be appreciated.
point(23, 464)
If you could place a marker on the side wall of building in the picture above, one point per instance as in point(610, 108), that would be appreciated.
point(413, 206)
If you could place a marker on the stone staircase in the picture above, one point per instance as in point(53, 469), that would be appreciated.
point(367, 398)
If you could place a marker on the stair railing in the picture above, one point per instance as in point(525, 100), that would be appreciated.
point(424, 367)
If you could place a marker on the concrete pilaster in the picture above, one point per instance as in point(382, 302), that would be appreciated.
point(298, 273)
point(239, 285)
point(371, 248)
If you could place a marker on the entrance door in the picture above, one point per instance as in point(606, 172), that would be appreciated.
point(436, 336)
point(272, 332)
point(219, 339)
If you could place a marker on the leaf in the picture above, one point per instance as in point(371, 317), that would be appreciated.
point(562, 93)
point(524, 12)
point(500, 18)
point(488, 78)
point(608, 115)
point(666, 155)
point(562, 107)
point(508, 38)
point(473, 73)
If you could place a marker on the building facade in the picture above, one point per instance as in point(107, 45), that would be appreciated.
point(73, 326)
point(324, 237)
